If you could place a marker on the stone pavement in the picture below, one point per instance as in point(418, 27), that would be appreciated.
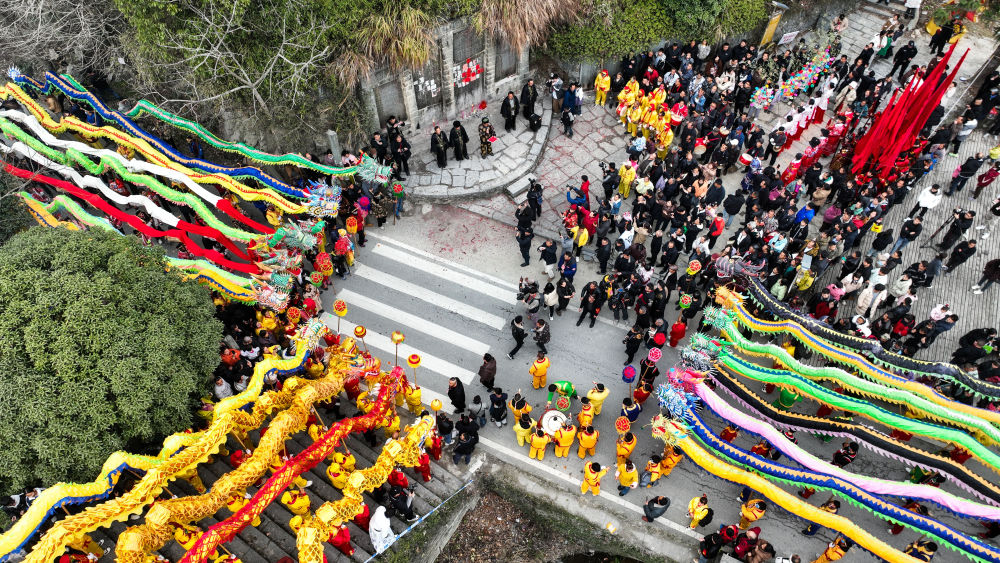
point(514, 155)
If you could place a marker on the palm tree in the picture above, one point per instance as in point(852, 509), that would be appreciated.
point(397, 37)
point(521, 24)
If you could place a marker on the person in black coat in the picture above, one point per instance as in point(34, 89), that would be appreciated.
point(456, 392)
point(519, 334)
point(439, 146)
point(508, 109)
point(529, 95)
point(464, 447)
point(459, 140)
point(902, 59)
point(960, 224)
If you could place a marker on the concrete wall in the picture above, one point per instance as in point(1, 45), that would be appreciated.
point(464, 70)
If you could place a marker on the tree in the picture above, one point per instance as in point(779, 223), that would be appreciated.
point(14, 216)
point(101, 349)
point(523, 23)
point(53, 34)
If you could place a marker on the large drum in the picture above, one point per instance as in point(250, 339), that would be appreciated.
point(699, 146)
point(746, 159)
point(675, 119)
point(552, 420)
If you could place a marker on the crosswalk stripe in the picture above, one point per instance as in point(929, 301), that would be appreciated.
point(412, 321)
point(445, 273)
point(423, 294)
point(451, 264)
point(384, 343)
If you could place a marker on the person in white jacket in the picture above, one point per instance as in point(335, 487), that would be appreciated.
point(869, 300)
point(929, 198)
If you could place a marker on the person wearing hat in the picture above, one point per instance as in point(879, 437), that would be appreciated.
point(902, 59)
point(486, 137)
point(601, 86)
point(751, 511)
point(597, 396)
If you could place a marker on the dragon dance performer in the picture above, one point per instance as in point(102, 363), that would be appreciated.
point(587, 436)
point(237, 501)
point(586, 415)
point(564, 438)
point(751, 511)
point(597, 396)
point(624, 447)
point(835, 550)
point(592, 474)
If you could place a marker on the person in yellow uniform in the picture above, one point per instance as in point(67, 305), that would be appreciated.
point(523, 429)
point(588, 441)
point(697, 509)
point(564, 438)
point(670, 458)
point(652, 473)
point(191, 476)
point(315, 431)
point(296, 501)
point(539, 368)
point(237, 501)
point(538, 441)
point(85, 544)
point(279, 461)
point(337, 475)
point(626, 175)
point(624, 447)
point(597, 396)
point(634, 118)
point(751, 511)
point(586, 415)
point(518, 406)
point(650, 121)
point(186, 536)
point(592, 474)
point(665, 138)
point(297, 522)
point(413, 400)
point(659, 96)
point(628, 477)
point(601, 86)
point(345, 461)
point(835, 550)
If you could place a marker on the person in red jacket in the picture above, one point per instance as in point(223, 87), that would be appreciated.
point(362, 519)
point(677, 331)
point(424, 467)
point(398, 478)
point(342, 540)
point(718, 225)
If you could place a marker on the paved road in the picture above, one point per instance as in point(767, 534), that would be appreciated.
point(451, 313)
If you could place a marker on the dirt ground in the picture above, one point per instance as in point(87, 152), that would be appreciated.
point(495, 530)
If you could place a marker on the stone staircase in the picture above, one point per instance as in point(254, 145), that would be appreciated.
point(273, 539)
point(865, 23)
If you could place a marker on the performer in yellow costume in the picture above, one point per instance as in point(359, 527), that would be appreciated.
point(626, 175)
point(237, 501)
point(564, 438)
point(592, 474)
point(538, 441)
point(601, 86)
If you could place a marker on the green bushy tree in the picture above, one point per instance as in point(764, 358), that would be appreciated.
point(101, 349)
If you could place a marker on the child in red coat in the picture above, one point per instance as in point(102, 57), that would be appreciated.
point(677, 332)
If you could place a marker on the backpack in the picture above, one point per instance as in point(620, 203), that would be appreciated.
point(707, 519)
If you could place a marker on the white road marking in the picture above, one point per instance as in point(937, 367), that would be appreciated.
point(423, 294)
point(450, 263)
point(384, 343)
point(445, 273)
point(412, 321)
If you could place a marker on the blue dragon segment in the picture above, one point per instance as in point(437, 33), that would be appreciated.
point(57, 82)
point(968, 546)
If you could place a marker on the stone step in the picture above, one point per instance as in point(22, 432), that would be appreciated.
point(519, 188)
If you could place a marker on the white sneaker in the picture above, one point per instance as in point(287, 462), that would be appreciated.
point(980, 227)
point(985, 235)
point(308, 484)
point(978, 292)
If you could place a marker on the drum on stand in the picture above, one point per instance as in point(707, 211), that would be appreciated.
point(552, 420)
